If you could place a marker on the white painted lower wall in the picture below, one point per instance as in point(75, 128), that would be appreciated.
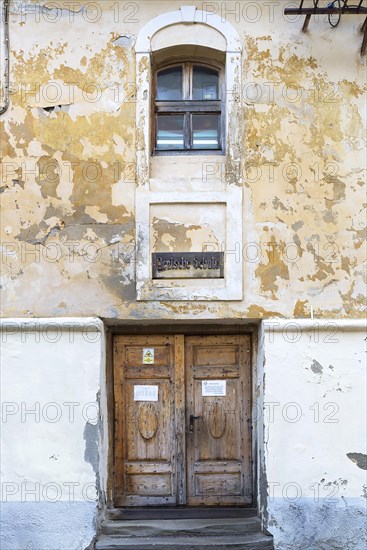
point(50, 375)
point(310, 424)
point(315, 434)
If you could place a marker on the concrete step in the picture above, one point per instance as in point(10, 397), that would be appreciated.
point(182, 527)
point(201, 512)
point(253, 541)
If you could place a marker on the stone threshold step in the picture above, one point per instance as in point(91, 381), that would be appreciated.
point(254, 541)
point(200, 512)
point(177, 527)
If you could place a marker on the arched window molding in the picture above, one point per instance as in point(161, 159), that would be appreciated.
point(143, 49)
point(187, 14)
point(189, 26)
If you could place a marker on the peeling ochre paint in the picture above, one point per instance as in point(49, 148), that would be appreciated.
point(167, 233)
point(69, 174)
point(300, 309)
point(274, 268)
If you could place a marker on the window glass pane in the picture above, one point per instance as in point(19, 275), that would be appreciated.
point(170, 132)
point(205, 83)
point(169, 84)
point(205, 131)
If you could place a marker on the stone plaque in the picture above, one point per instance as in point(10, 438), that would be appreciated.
point(188, 265)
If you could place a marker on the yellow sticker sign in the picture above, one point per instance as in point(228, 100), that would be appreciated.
point(148, 356)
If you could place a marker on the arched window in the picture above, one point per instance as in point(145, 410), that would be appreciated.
point(188, 107)
point(188, 102)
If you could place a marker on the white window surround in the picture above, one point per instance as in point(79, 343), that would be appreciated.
point(204, 36)
point(229, 288)
point(143, 50)
point(201, 289)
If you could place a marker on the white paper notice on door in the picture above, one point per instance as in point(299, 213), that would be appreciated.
point(145, 393)
point(214, 388)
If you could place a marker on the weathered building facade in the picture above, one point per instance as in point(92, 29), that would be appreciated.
point(183, 202)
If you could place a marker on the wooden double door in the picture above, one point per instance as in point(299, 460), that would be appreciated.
point(182, 420)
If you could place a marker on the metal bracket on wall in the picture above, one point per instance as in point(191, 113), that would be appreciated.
point(334, 10)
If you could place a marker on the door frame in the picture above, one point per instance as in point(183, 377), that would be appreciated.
point(186, 329)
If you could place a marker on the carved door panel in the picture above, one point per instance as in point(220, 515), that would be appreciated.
point(149, 420)
point(164, 436)
point(217, 414)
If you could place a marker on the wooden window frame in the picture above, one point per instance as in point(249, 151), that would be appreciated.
point(188, 107)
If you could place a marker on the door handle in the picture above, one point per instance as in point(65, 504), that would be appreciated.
point(192, 419)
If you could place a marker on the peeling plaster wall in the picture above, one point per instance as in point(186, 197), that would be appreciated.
point(187, 227)
point(50, 434)
point(68, 164)
point(68, 182)
point(315, 435)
